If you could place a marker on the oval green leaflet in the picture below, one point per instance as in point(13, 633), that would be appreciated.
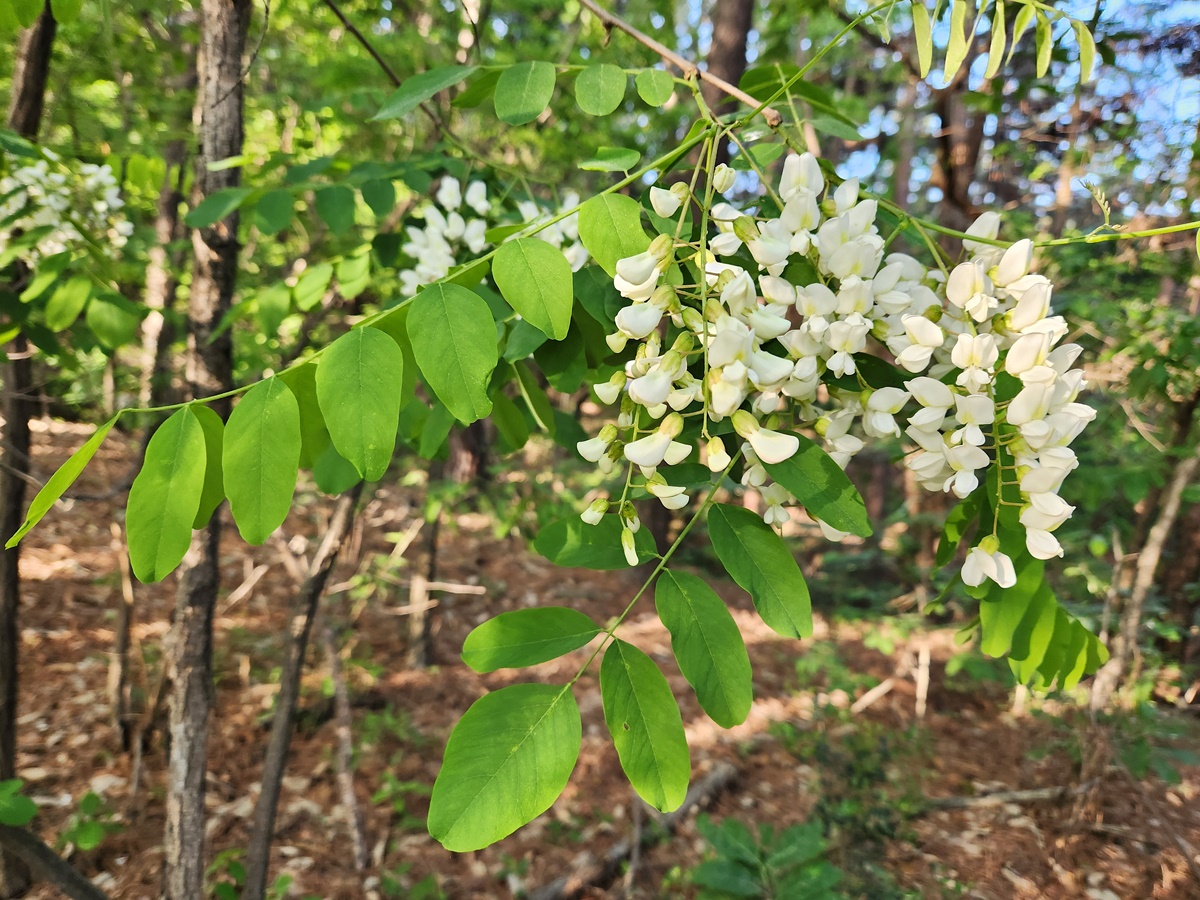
point(523, 91)
point(923, 36)
point(507, 760)
point(261, 458)
point(359, 382)
point(654, 86)
point(526, 637)
point(60, 481)
point(758, 561)
point(535, 279)
point(600, 89)
point(421, 87)
point(708, 646)
point(646, 727)
point(165, 497)
point(818, 482)
point(453, 338)
point(214, 482)
point(610, 227)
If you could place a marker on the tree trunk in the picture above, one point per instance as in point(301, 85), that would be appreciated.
point(304, 609)
point(1125, 643)
point(209, 370)
point(727, 55)
point(24, 117)
point(162, 281)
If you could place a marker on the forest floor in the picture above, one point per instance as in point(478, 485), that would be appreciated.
point(802, 753)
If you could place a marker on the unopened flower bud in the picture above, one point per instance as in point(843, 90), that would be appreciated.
point(683, 344)
point(744, 423)
point(744, 228)
point(722, 178)
point(693, 321)
point(661, 246)
point(664, 297)
point(672, 425)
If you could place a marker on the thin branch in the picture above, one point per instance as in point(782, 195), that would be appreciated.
point(861, 29)
point(48, 865)
point(690, 70)
point(362, 39)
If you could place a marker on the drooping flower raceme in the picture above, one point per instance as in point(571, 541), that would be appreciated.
point(62, 205)
point(775, 337)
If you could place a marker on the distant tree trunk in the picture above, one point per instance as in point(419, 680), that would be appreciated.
point(906, 144)
point(162, 280)
point(24, 117)
point(209, 370)
point(958, 144)
point(301, 616)
point(1125, 642)
point(727, 54)
point(1066, 171)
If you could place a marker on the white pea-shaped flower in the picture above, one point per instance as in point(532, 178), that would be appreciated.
point(986, 561)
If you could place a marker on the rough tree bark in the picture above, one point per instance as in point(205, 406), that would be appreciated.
point(304, 609)
point(727, 55)
point(31, 69)
point(223, 28)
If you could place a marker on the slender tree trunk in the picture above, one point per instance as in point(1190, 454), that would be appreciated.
point(1125, 643)
point(209, 370)
point(24, 117)
point(304, 609)
point(727, 54)
point(162, 280)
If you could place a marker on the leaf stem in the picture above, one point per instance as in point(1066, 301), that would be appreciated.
point(662, 564)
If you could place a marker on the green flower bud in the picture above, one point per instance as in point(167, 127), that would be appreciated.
point(744, 228)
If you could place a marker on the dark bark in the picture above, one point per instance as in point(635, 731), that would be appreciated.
point(208, 371)
point(30, 72)
point(47, 865)
point(727, 55)
point(303, 611)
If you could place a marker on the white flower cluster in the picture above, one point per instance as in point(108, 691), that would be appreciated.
point(773, 340)
point(456, 227)
point(64, 203)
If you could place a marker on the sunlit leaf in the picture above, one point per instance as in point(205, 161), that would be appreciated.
point(60, 481)
point(526, 637)
point(507, 760)
point(523, 91)
point(646, 727)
